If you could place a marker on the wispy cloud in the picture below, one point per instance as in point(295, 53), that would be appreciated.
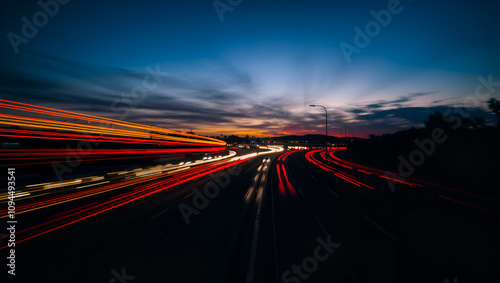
point(226, 100)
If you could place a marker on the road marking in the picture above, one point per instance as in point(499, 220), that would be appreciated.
point(321, 224)
point(263, 178)
point(331, 191)
point(251, 264)
point(136, 204)
point(189, 195)
point(162, 241)
point(300, 191)
point(274, 233)
point(157, 215)
point(85, 262)
point(380, 228)
point(249, 193)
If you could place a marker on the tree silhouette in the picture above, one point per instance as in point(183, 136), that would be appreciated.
point(494, 105)
point(480, 122)
point(436, 120)
point(467, 123)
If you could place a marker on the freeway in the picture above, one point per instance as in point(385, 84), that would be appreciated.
point(280, 216)
point(414, 231)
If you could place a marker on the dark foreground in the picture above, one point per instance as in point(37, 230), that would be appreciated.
point(294, 218)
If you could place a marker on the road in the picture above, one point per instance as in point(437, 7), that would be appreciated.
point(301, 216)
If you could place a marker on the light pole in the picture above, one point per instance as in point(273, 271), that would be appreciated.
point(350, 135)
point(340, 131)
point(345, 127)
point(326, 125)
point(345, 130)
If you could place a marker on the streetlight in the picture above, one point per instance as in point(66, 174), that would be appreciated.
point(350, 135)
point(326, 125)
point(340, 131)
point(345, 130)
point(345, 127)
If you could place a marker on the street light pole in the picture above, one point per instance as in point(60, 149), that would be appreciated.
point(340, 131)
point(326, 125)
point(345, 129)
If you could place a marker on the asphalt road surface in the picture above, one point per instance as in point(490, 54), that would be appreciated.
point(292, 216)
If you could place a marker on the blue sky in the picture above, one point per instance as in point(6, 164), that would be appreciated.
point(258, 69)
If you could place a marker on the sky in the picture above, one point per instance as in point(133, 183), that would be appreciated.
point(253, 67)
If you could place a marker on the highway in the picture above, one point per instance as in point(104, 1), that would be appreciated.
point(276, 216)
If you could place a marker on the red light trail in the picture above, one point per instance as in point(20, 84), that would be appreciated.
point(408, 181)
point(39, 137)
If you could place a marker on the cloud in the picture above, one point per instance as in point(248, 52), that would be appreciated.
point(374, 105)
point(179, 102)
point(393, 103)
point(413, 115)
point(227, 99)
point(446, 99)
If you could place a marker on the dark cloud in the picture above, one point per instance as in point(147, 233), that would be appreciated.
point(446, 99)
point(380, 121)
point(398, 101)
point(413, 115)
point(375, 105)
point(182, 102)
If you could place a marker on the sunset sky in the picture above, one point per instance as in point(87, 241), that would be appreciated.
point(255, 68)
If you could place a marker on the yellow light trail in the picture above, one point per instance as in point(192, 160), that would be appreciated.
point(56, 125)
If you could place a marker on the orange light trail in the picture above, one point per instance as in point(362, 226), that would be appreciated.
point(91, 118)
point(48, 130)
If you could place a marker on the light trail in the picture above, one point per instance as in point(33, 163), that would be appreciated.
point(69, 185)
point(44, 137)
point(386, 175)
point(342, 175)
point(410, 181)
point(284, 184)
point(87, 141)
point(91, 118)
point(142, 188)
